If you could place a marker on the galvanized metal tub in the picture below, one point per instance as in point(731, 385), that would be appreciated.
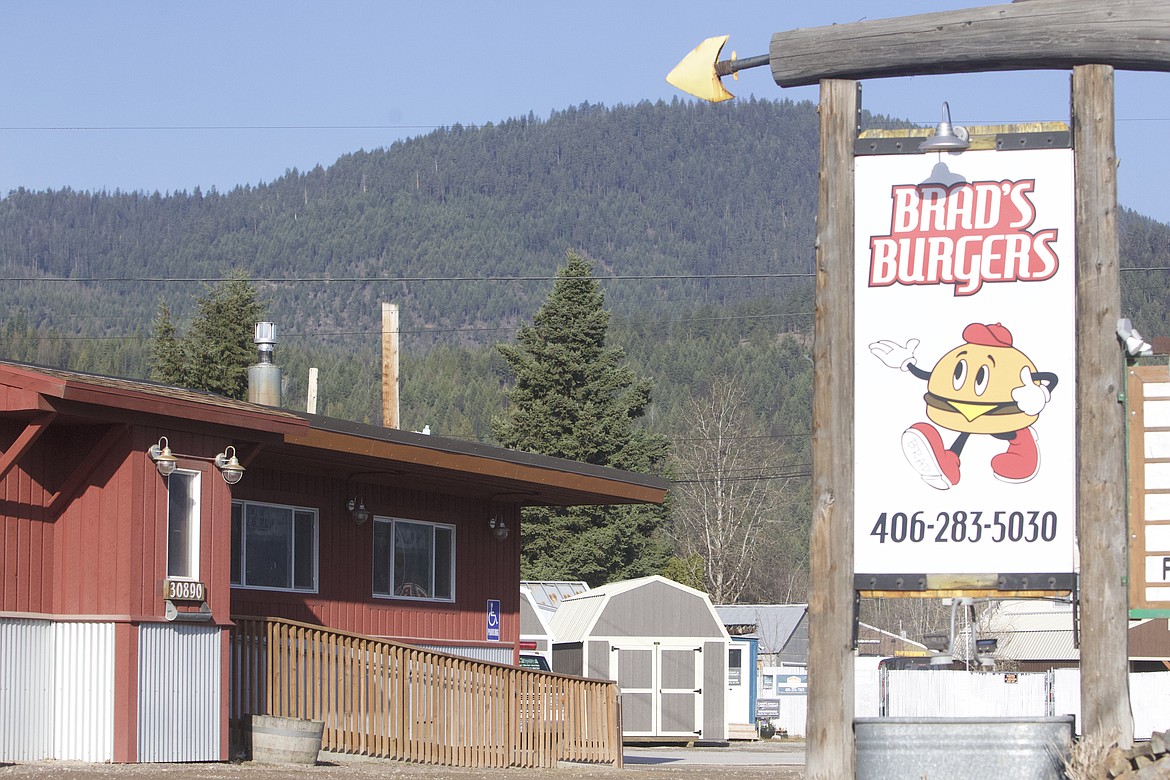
point(286, 740)
point(962, 748)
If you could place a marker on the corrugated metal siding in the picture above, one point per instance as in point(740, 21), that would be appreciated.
point(179, 687)
point(26, 690)
point(944, 693)
point(83, 683)
point(495, 655)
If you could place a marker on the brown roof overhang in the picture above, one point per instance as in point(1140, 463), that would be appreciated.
point(507, 475)
point(36, 388)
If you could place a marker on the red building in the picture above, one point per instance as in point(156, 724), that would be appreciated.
point(118, 583)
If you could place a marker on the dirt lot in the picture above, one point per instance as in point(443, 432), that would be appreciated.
point(757, 761)
point(751, 762)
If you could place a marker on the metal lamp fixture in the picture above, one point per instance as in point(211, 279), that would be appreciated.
point(229, 466)
point(164, 460)
point(357, 510)
point(499, 528)
point(946, 138)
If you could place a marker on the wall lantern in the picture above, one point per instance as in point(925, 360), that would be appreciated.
point(229, 466)
point(499, 528)
point(357, 510)
point(164, 460)
point(946, 138)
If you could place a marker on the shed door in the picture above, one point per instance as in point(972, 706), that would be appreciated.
point(661, 690)
point(680, 691)
point(635, 678)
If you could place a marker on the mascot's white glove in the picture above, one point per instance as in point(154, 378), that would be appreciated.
point(1031, 397)
point(895, 355)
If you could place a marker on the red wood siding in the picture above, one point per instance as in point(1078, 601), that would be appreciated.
point(484, 568)
point(106, 552)
point(26, 539)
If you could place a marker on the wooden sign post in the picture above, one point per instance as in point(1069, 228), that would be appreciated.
point(1101, 502)
point(829, 733)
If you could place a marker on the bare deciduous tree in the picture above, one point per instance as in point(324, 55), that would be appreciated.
point(727, 491)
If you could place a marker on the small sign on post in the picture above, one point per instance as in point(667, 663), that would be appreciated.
point(493, 620)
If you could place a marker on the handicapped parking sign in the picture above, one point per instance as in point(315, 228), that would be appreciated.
point(493, 620)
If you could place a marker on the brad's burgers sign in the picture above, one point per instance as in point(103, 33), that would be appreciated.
point(963, 235)
point(964, 403)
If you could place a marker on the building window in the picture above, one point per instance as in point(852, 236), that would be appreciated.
point(183, 525)
point(274, 546)
point(414, 560)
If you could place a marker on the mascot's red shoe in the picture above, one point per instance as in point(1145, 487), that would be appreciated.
point(1021, 461)
point(923, 448)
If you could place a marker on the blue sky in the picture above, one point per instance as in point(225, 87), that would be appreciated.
point(168, 96)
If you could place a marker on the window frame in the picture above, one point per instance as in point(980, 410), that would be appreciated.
point(293, 509)
point(393, 522)
point(193, 518)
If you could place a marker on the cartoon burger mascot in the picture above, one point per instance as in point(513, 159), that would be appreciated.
point(985, 385)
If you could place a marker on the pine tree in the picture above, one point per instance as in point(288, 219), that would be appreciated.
point(166, 353)
point(574, 397)
point(218, 348)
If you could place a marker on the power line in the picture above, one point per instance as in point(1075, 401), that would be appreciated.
point(804, 473)
point(211, 128)
point(420, 331)
point(397, 279)
point(86, 128)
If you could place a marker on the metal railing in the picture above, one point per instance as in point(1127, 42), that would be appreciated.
point(390, 700)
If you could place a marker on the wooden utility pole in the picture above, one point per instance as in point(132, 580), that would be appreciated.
point(830, 751)
point(311, 398)
point(1101, 506)
point(389, 365)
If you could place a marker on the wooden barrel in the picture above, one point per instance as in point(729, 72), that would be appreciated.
point(286, 740)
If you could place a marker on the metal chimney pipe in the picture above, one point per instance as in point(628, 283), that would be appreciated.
point(264, 377)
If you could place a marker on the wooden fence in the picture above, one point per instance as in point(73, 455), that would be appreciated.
point(390, 700)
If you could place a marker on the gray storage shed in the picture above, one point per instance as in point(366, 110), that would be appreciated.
point(663, 644)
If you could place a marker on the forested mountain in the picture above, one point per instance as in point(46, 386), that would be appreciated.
point(648, 189)
point(668, 191)
point(699, 220)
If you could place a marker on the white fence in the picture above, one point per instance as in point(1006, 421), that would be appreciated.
point(946, 693)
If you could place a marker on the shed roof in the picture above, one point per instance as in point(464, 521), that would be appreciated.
point(534, 617)
point(1031, 630)
point(775, 623)
point(282, 440)
point(645, 606)
point(550, 593)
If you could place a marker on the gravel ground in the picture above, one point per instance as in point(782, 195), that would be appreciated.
point(695, 763)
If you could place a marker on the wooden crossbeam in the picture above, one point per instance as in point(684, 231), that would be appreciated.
point(1036, 35)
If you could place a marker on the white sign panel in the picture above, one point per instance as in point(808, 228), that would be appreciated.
point(964, 380)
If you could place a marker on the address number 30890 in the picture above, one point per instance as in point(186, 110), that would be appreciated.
point(184, 590)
